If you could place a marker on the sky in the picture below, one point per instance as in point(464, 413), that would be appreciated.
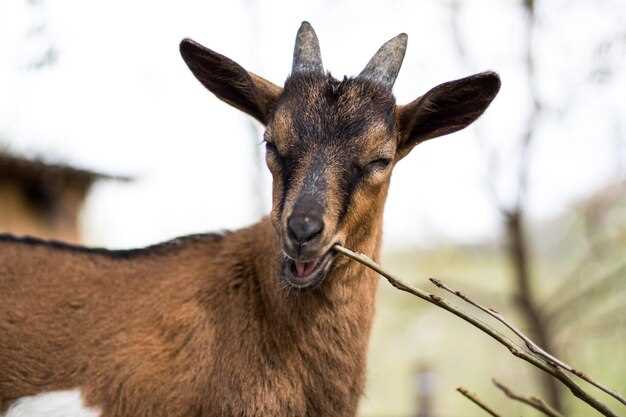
point(120, 100)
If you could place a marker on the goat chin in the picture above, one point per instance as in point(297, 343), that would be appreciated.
point(52, 404)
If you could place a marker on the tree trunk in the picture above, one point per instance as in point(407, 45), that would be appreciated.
point(526, 302)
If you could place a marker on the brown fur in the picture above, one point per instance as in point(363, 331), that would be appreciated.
point(202, 329)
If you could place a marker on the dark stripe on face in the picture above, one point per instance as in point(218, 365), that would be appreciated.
point(287, 168)
point(312, 195)
point(314, 182)
point(349, 180)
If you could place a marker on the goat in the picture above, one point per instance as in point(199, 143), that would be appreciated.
point(262, 321)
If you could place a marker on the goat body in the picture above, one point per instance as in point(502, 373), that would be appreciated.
point(199, 326)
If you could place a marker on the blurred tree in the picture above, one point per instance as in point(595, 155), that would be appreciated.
point(520, 249)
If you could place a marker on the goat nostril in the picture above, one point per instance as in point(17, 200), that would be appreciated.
point(304, 228)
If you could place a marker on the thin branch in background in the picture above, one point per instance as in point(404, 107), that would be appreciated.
point(537, 403)
point(598, 288)
point(539, 362)
point(491, 155)
point(532, 346)
point(610, 322)
point(588, 259)
point(565, 282)
point(474, 398)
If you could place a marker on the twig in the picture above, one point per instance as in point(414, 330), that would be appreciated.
point(606, 321)
point(532, 346)
point(565, 285)
point(474, 398)
point(600, 287)
point(536, 403)
point(548, 367)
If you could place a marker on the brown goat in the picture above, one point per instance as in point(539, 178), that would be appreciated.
point(263, 321)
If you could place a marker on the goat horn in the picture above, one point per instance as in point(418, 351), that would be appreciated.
point(385, 64)
point(306, 54)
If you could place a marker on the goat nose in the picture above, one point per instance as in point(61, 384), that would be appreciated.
point(303, 228)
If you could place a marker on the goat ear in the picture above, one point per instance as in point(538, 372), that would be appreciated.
point(230, 82)
point(445, 109)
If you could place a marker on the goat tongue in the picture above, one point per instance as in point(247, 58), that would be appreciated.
point(304, 269)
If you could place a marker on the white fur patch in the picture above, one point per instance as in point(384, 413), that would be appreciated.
point(51, 404)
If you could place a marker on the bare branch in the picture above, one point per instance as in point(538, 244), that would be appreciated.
point(532, 346)
point(474, 398)
point(536, 109)
point(536, 403)
point(566, 286)
point(598, 288)
point(539, 362)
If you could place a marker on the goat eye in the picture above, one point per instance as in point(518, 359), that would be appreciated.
point(378, 165)
point(270, 147)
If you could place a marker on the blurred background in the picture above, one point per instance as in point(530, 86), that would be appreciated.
point(107, 139)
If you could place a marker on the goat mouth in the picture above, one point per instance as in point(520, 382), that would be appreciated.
point(307, 273)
